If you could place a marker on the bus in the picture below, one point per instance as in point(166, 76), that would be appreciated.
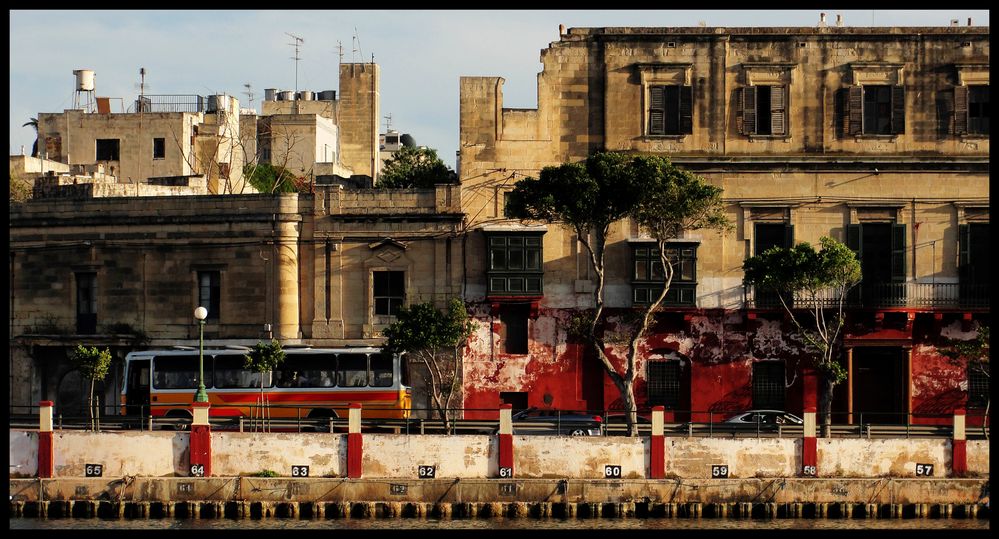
point(310, 383)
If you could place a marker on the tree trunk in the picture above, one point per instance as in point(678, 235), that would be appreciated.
point(825, 405)
point(90, 404)
point(631, 407)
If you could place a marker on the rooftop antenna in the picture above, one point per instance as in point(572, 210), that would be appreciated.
point(249, 94)
point(339, 47)
point(142, 82)
point(296, 58)
point(388, 122)
point(357, 48)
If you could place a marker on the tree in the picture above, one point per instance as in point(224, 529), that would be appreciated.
point(267, 178)
point(20, 189)
point(262, 358)
point(93, 365)
point(415, 167)
point(819, 281)
point(33, 122)
point(973, 355)
point(588, 197)
point(434, 337)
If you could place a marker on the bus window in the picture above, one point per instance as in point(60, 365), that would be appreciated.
point(179, 372)
point(313, 370)
point(381, 370)
point(352, 370)
point(231, 374)
point(404, 369)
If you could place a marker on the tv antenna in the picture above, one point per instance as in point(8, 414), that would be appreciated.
point(388, 122)
point(142, 82)
point(249, 94)
point(339, 47)
point(357, 48)
point(296, 58)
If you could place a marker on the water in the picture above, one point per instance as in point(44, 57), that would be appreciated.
point(962, 526)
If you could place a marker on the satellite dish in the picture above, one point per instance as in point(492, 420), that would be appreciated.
point(407, 140)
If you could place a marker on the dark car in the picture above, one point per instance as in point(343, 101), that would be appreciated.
point(764, 417)
point(560, 422)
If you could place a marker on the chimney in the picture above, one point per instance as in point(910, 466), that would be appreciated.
point(822, 20)
point(561, 30)
point(969, 21)
point(839, 20)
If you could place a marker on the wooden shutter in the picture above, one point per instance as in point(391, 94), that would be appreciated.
point(964, 246)
point(853, 239)
point(777, 117)
point(657, 120)
point(855, 110)
point(748, 126)
point(788, 236)
point(898, 109)
point(897, 253)
point(960, 110)
point(686, 110)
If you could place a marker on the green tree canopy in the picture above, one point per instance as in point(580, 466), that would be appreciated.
point(267, 178)
point(415, 167)
point(264, 357)
point(94, 365)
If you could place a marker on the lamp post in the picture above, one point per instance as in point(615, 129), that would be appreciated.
point(201, 313)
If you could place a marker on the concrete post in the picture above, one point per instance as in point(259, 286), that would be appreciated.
point(809, 445)
point(354, 443)
point(201, 438)
point(959, 460)
point(46, 441)
point(657, 453)
point(506, 437)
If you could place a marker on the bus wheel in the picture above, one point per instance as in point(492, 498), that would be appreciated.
point(320, 417)
point(176, 417)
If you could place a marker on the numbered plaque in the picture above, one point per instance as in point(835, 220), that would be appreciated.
point(197, 470)
point(808, 471)
point(300, 471)
point(93, 470)
point(185, 488)
point(719, 471)
point(925, 470)
point(505, 471)
point(507, 489)
point(397, 489)
point(612, 471)
point(427, 472)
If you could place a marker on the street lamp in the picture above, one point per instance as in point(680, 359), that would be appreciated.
point(201, 313)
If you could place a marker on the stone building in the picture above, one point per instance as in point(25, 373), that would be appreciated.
point(324, 269)
point(878, 137)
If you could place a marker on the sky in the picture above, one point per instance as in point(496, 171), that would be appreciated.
point(422, 54)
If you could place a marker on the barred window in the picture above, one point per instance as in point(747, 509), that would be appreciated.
point(663, 383)
point(389, 292)
point(768, 385)
point(978, 384)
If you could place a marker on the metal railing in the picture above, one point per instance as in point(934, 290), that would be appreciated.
point(169, 103)
point(910, 294)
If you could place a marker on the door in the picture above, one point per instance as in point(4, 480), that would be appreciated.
point(137, 387)
point(880, 385)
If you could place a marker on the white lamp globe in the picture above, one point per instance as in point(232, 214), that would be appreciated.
point(201, 313)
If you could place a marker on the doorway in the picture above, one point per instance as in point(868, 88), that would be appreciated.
point(880, 385)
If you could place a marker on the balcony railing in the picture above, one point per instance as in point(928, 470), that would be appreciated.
point(169, 103)
point(882, 295)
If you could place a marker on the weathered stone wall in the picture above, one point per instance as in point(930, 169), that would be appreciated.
point(359, 117)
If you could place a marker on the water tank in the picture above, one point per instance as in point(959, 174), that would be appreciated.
point(305, 95)
point(84, 80)
point(327, 95)
point(216, 103)
point(285, 95)
point(270, 94)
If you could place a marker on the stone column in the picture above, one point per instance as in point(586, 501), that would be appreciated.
point(657, 453)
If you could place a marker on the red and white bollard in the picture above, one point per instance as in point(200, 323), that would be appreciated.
point(201, 441)
point(657, 453)
point(354, 442)
point(809, 449)
point(46, 443)
point(959, 457)
point(506, 440)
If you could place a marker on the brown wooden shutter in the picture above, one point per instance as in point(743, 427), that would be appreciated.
point(898, 109)
point(960, 110)
point(748, 126)
point(657, 120)
point(686, 110)
point(855, 110)
point(777, 107)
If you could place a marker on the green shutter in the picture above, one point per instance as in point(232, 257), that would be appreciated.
point(788, 236)
point(897, 253)
point(898, 109)
point(686, 110)
point(960, 110)
point(855, 110)
point(853, 239)
point(964, 245)
point(748, 125)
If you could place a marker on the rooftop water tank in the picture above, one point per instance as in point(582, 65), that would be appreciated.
point(305, 95)
point(327, 95)
point(84, 80)
point(269, 94)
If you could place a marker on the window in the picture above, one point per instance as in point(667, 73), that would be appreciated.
point(230, 373)
point(876, 109)
point(381, 370)
point(763, 110)
point(159, 148)
point(971, 110)
point(670, 110)
point(513, 332)
point(974, 264)
point(389, 292)
point(515, 265)
point(506, 203)
point(352, 370)
point(767, 235)
point(208, 293)
point(648, 277)
point(86, 303)
point(107, 149)
point(313, 370)
point(978, 384)
point(179, 372)
point(768, 385)
point(880, 248)
point(663, 383)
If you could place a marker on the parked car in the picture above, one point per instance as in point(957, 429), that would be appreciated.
point(543, 421)
point(764, 417)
